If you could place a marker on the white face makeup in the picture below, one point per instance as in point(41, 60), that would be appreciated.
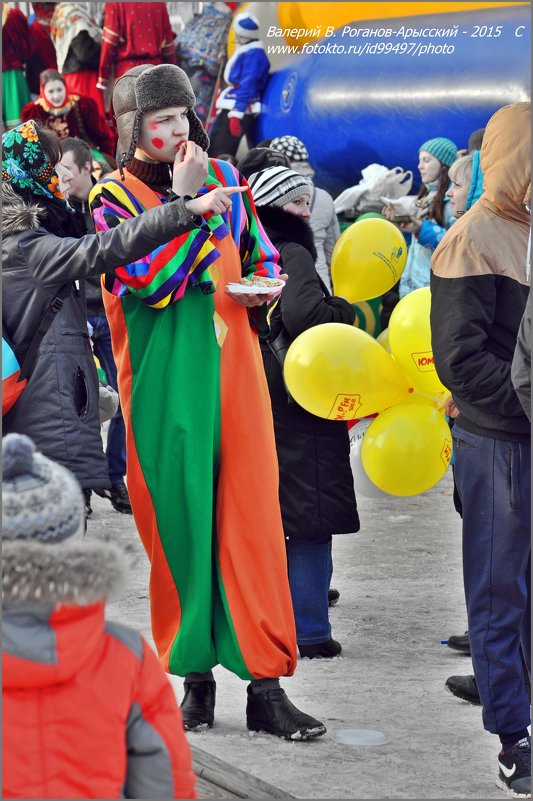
point(55, 92)
point(458, 195)
point(65, 177)
point(299, 207)
point(161, 134)
point(428, 166)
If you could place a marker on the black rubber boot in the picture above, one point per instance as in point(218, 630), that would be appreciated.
point(321, 650)
point(273, 713)
point(198, 705)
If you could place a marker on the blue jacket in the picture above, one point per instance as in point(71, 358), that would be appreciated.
point(417, 269)
point(247, 74)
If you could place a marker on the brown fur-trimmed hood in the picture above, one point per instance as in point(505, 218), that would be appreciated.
point(19, 215)
point(80, 573)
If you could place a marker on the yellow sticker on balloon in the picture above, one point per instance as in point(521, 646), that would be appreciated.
point(446, 452)
point(424, 361)
point(345, 407)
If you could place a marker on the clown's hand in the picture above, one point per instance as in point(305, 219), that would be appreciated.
point(190, 169)
point(216, 201)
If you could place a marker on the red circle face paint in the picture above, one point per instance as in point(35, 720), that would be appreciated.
point(157, 142)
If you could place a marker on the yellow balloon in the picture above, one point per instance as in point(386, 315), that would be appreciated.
point(410, 340)
point(407, 449)
point(339, 372)
point(383, 339)
point(368, 259)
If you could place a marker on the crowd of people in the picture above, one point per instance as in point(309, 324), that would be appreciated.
point(134, 224)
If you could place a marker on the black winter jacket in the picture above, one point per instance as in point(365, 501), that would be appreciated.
point(93, 287)
point(59, 407)
point(316, 485)
point(83, 54)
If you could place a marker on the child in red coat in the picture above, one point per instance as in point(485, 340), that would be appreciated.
point(88, 711)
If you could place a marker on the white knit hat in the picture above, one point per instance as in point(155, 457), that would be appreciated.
point(246, 25)
point(277, 186)
point(41, 499)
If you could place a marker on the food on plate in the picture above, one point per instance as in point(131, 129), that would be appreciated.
point(262, 281)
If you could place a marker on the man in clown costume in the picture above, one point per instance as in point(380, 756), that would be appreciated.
point(201, 461)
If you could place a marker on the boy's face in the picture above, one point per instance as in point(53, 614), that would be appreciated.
point(162, 132)
point(81, 183)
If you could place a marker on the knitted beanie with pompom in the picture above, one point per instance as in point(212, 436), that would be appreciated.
point(41, 499)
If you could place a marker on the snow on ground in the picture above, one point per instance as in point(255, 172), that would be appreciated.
point(401, 593)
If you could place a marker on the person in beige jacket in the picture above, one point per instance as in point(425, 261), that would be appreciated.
point(478, 295)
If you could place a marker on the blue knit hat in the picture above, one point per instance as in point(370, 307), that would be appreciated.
point(443, 149)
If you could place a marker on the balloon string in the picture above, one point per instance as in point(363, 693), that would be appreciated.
point(439, 399)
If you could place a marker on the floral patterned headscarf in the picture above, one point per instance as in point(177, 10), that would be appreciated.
point(25, 165)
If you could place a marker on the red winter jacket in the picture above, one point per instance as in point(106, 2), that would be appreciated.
point(88, 711)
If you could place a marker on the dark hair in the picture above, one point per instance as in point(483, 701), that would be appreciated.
point(57, 219)
point(81, 152)
point(475, 139)
point(50, 75)
point(436, 210)
point(50, 143)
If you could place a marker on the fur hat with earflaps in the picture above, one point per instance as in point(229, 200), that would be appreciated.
point(148, 88)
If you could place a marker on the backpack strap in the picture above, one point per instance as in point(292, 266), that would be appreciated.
point(44, 325)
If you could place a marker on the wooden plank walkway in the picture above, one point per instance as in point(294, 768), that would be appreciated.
point(218, 779)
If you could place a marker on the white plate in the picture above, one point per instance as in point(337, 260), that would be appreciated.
point(252, 289)
point(360, 737)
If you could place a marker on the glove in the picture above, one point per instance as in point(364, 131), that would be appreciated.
point(107, 402)
point(235, 127)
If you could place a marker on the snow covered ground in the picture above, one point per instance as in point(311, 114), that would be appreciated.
point(401, 593)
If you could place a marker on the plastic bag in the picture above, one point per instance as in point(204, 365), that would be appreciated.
point(377, 181)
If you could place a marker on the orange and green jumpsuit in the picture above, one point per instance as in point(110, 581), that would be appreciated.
point(202, 471)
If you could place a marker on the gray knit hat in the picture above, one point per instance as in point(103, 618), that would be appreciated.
point(41, 499)
point(148, 88)
point(276, 186)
